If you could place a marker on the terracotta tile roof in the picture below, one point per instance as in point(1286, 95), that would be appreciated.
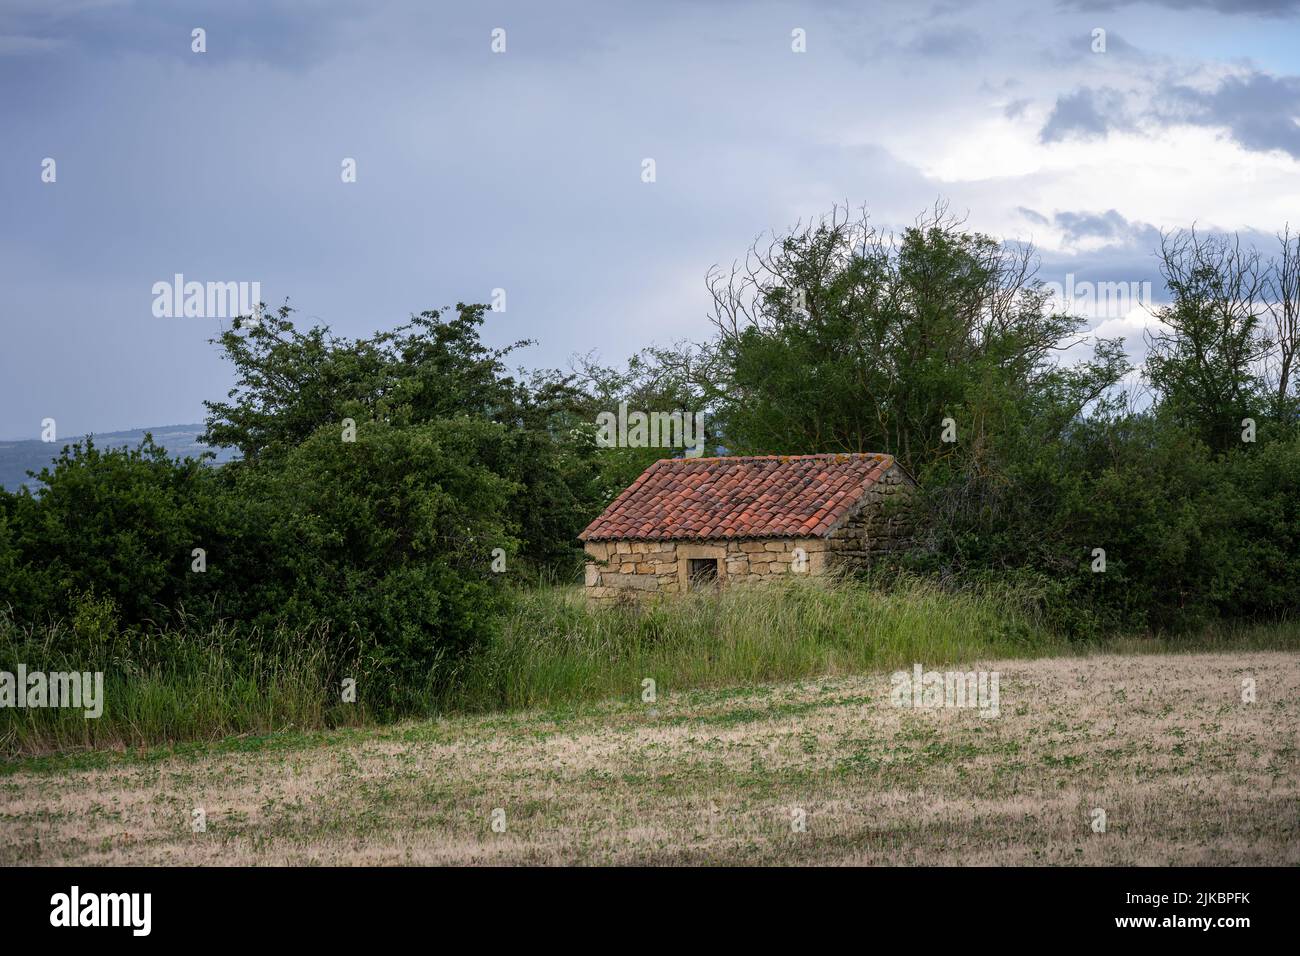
point(769, 496)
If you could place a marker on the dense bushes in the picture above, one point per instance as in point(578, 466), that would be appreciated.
point(389, 538)
point(941, 348)
point(1187, 535)
point(383, 485)
point(119, 523)
point(382, 545)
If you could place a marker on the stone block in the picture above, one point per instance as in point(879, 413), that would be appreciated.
point(635, 582)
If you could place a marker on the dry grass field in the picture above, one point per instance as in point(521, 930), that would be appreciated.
point(1186, 772)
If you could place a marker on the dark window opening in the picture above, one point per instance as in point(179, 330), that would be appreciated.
point(703, 573)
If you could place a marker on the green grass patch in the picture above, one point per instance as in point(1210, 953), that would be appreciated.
point(555, 647)
point(170, 694)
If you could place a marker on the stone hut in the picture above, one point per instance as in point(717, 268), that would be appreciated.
point(694, 523)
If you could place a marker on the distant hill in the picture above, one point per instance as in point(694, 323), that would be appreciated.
point(19, 457)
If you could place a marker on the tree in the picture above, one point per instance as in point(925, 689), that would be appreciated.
point(659, 379)
point(292, 384)
point(835, 337)
point(1282, 303)
point(1202, 361)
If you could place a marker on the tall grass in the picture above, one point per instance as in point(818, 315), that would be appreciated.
point(191, 684)
point(556, 648)
point(175, 685)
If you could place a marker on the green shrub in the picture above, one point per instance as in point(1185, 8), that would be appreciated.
point(388, 539)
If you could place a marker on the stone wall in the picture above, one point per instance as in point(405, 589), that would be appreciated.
point(883, 523)
point(634, 569)
point(631, 569)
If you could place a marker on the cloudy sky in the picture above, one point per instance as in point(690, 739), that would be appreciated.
point(522, 170)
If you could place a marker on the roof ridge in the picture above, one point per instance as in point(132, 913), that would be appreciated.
point(825, 454)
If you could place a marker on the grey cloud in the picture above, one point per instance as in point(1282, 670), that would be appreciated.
point(1015, 108)
point(1125, 255)
point(1037, 218)
point(274, 34)
point(1261, 8)
point(1128, 253)
point(1105, 225)
point(1086, 113)
point(946, 42)
point(1072, 49)
point(1259, 111)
